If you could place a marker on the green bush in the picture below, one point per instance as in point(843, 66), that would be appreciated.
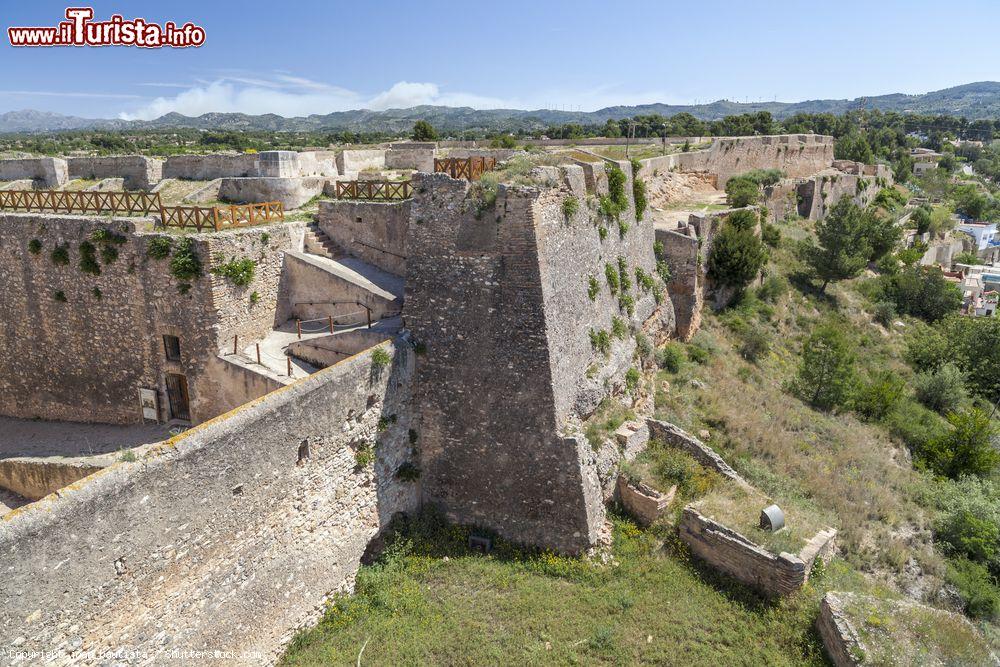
point(743, 219)
point(772, 289)
point(185, 265)
point(570, 206)
point(60, 255)
point(627, 304)
point(643, 348)
point(632, 378)
point(34, 246)
point(239, 272)
point(364, 456)
point(670, 357)
point(879, 397)
point(755, 344)
point(639, 196)
point(380, 358)
point(593, 288)
point(623, 275)
point(770, 234)
point(159, 247)
point(885, 313)
point(979, 593)
point(914, 425)
point(611, 274)
point(966, 534)
point(943, 389)
point(600, 340)
point(921, 292)
point(966, 448)
point(59, 296)
point(643, 279)
point(967, 258)
point(88, 259)
point(109, 253)
point(618, 328)
point(826, 374)
point(736, 257)
point(742, 191)
point(408, 472)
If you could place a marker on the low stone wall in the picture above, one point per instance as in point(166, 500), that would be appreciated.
point(678, 437)
point(417, 155)
point(312, 288)
point(372, 231)
point(35, 478)
point(139, 172)
point(212, 166)
point(214, 540)
point(841, 641)
point(46, 172)
point(352, 161)
point(735, 555)
point(328, 350)
point(642, 501)
point(292, 164)
point(291, 192)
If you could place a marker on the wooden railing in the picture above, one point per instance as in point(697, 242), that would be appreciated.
point(469, 168)
point(388, 190)
point(221, 217)
point(196, 217)
point(56, 201)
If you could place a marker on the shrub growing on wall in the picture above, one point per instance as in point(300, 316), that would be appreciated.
point(60, 255)
point(88, 259)
point(185, 264)
point(34, 246)
point(159, 247)
point(239, 272)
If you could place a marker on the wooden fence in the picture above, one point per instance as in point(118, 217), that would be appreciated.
point(470, 168)
point(56, 201)
point(221, 217)
point(197, 217)
point(387, 190)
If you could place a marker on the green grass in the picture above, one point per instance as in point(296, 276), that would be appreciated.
point(601, 425)
point(650, 605)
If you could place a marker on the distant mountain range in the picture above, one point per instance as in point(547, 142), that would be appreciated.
point(974, 101)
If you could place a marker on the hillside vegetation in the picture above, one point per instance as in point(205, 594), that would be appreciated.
point(887, 444)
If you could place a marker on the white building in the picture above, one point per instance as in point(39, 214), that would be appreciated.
point(984, 233)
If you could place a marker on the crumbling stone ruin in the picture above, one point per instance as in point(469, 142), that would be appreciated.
point(441, 350)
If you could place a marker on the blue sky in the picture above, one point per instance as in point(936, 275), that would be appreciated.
point(311, 56)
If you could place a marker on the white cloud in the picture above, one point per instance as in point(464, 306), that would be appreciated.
point(285, 94)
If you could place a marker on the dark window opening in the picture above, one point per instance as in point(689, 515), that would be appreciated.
point(172, 348)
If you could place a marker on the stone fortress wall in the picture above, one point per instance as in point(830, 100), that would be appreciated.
point(795, 154)
point(46, 172)
point(372, 231)
point(227, 537)
point(139, 172)
point(504, 286)
point(78, 346)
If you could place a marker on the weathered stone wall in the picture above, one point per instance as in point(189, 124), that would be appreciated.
point(292, 164)
point(570, 252)
point(491, 453)
point(312, 288)
point(85, 357)
point(814, 196)
point(795, 154)
point(291, 192)
point(686, 283)
point(705, 455)
point(209, 167)
point(372, 231)
point(732, 553)
point(417, 155)
point(139, 172)
point(228, 537)
point(352, 161)
point(46, 172)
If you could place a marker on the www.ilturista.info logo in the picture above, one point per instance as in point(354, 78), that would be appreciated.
point(80, 30)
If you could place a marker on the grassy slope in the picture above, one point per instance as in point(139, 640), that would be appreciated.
point(417, 608)
point(649, 605)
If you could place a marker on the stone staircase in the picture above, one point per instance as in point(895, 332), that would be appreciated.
point(318, 243)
